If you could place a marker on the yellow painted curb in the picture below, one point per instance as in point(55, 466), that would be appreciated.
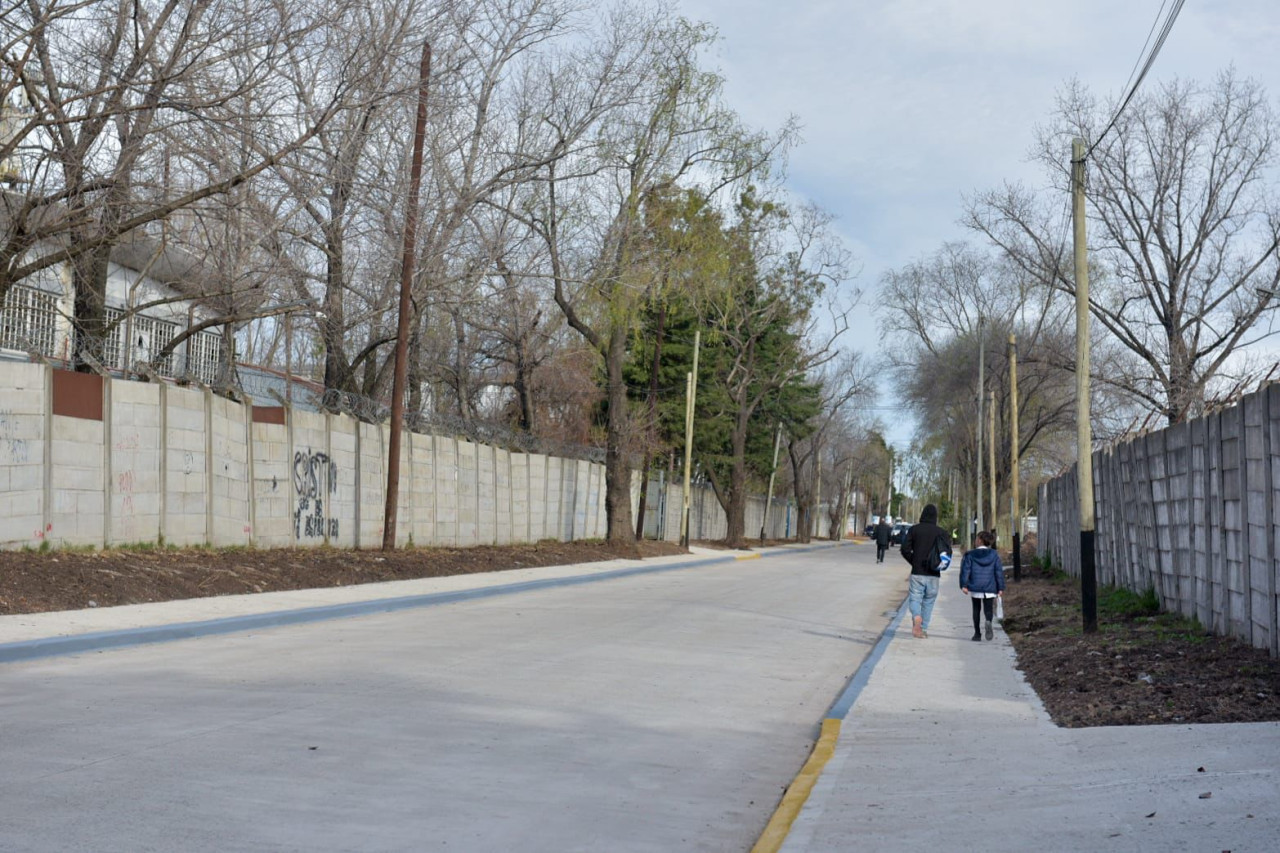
point(775, 833)
point(747, 557)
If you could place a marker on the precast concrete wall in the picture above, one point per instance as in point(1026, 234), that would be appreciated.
point(708, 521)
point(1191, 511)
point(94, 461)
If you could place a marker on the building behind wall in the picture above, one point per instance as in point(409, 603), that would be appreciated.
point(36, 317)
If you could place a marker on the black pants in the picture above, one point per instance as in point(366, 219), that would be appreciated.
point(880, 549)
point(979, 605)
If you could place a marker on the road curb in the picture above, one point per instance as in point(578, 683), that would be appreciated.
point(44, 647)
point(797, 793)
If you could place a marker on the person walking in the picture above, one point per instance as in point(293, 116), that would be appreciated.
point(982, 579)
point(923, 547)
point(881, 536)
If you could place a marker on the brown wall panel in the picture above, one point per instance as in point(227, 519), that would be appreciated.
point(268, 415)
point(77, 395)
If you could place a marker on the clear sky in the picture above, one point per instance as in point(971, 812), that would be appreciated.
point(908, 105)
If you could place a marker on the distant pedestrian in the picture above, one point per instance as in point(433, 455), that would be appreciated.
point(881, 535)
point(982, 579)
point(923, 547)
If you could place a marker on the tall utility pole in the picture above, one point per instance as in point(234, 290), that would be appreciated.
point(888, 503)
point(847, 504)
point(777, 444)
point(816, 500)
point(1084, 431)
point(691, 396)
point(991, 453)
point(1015, 519)
point(982, 381)
point(392, 503)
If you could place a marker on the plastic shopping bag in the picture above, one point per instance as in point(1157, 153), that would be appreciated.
point(1000, 608)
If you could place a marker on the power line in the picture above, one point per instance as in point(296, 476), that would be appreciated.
point(1169, 20)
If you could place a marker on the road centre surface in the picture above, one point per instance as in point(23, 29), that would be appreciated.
point(654, 712)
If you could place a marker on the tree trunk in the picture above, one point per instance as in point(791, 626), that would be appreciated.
point(89, 277)
point(617, 498)
point(523, 395)
point(803, 498)
point(737, 508)
point(653, 418)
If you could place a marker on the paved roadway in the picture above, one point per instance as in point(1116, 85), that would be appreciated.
point(660, 712)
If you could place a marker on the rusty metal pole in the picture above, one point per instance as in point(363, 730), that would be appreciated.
point(402, 328)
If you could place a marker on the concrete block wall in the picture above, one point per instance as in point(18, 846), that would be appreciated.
point(78, 514)
point(521, 517)
point(344, 482)
point(503, 496)
point(24, 400)
point(230, 425)
point(148, 463)
point(554, 502)
point(273, 493)
point(421, 488)
point(487, 500)
point(1191, 511)
point(446, 491)
point(185, 453)
point(538, 505)
point(468, 501)
point(135, 459)
point(707, 519)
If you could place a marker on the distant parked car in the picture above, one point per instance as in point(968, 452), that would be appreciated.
point(899, 532)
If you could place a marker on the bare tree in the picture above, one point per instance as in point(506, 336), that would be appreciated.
point(105, 84)
point(656, 120)
point(1184, 231)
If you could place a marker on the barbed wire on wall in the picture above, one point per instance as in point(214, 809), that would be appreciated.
point(259, 386)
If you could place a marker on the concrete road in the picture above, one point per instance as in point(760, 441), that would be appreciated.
point(653, 713)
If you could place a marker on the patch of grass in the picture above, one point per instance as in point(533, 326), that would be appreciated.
point(137, 546)
point(1116, 603)
point(1175, 626)
point(1058, 576)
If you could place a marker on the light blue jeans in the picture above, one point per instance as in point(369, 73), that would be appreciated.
point(921, 597)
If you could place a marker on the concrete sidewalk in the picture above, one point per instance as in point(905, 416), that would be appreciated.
point(947, 747)
point(31, 635)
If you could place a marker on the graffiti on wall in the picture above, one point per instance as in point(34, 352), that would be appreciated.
point(315, 479)
point(17, 452)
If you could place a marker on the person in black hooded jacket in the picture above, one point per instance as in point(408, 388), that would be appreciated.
point(918, 550)
point(881, 536)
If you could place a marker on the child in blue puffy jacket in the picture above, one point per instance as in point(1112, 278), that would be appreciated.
point(982, 578)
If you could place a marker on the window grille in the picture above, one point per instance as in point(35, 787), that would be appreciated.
point(149, 336)
point(204, 356)
point(111, 353)
point(29, 320)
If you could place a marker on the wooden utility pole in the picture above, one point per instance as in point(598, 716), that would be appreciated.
point(691, 396)
point(392, 503)
point(991, 453)
point(982, 378)
point(1015, 521)
point(1084, 431)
